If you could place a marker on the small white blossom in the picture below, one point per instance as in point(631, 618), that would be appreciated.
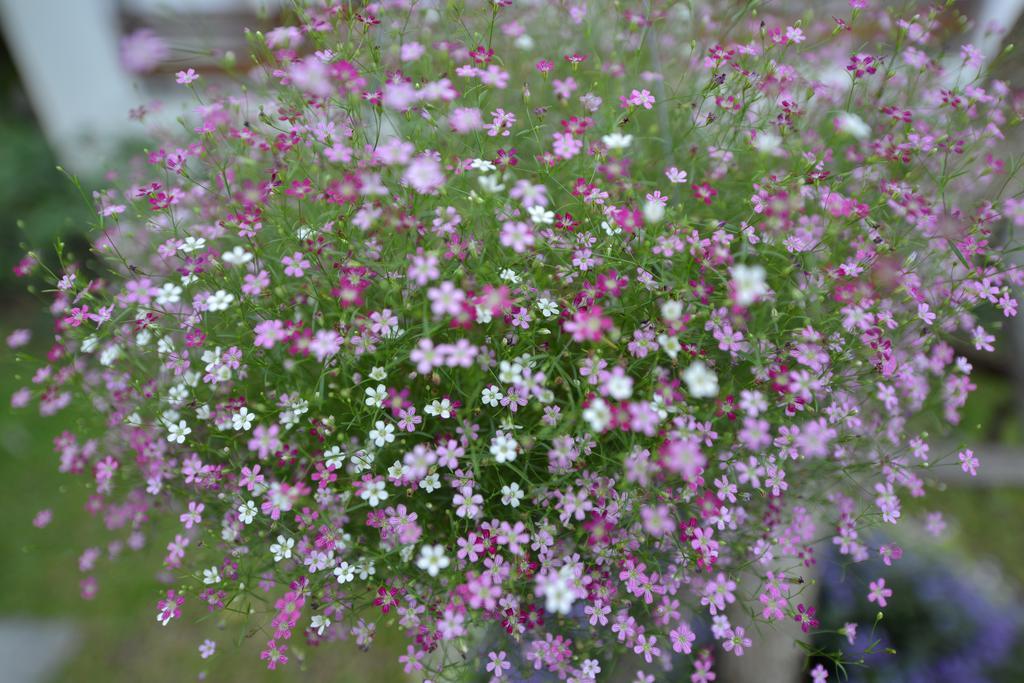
point(509, 275)
point(345, 573)
point(672, 310)
point(219, 301)
point(432, 559)
point(482, 165)
point(442, 409)
point(431, 483)
point(851, 124)
point(176, 433)
point(320, 623)
point(511, 495)
point(247, 512)
point(504, 448)
point(483, 315)
point(654, 211)
point(559, 593)
point(334, 457)
point(540, 215)
point(237, 256)
point(211, 576)
point(597, 415)
point(491, 184)
point(382, 433)
point(375, 396)
point(749, 282)
point(374, 492)
point(192, 244)
point(492, 396)
point(700, 380)
point(548, 308)
point(617, 140)
point(242, 420)
point(169, 293)
point(282, 550)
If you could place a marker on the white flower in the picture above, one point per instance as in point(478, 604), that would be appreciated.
point(362, 460)
point(176, 433)
point(540, 215)
point(482, 165)
point(211, 576)
point(511, 494)
point(851, 124)
point(375, 396)
point(442, 409)
point(374, 492)
point(345, 572)
point(236, 256)
point(109, 355)
point(749, 282)
point(767, 143)
point(169, 293)
point(366, 569)
point(483, 315)
point(548, 308)
point(671, 311)
point(669, 345)
point(620, 387)
point(617, 140)
point(242, 420)
point(597, 415)
point(378, 374)
point(192, 244)
point(431, 483)
point(382, 433)
point(509, 275)
point(492, 395)
point(611, 229)
point(247, 512)
point(491, 184)
point(282, 550)
point(654, 211)
point(504, 448)
point(334, 457)
point(700, 380)
point(510, 373)
point(397, 470)
point(319, 623)
point(559, 593)
point(219, 301)
point(524, 42)
point(432, 559)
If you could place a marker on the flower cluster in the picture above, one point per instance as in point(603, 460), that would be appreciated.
point(575, 327)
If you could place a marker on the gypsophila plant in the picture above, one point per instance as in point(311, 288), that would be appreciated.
point(575, 329)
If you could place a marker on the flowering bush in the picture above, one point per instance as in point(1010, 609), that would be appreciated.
point(582, 323)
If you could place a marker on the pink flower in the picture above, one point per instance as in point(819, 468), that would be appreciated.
point(588, 324)
point(411, 659)
point(498, 664)
point(969, 462)
point(879, 593)
point(295, 265)
point(186, 77)
point(638, 98)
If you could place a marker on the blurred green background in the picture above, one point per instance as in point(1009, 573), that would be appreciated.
point(120, 639)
